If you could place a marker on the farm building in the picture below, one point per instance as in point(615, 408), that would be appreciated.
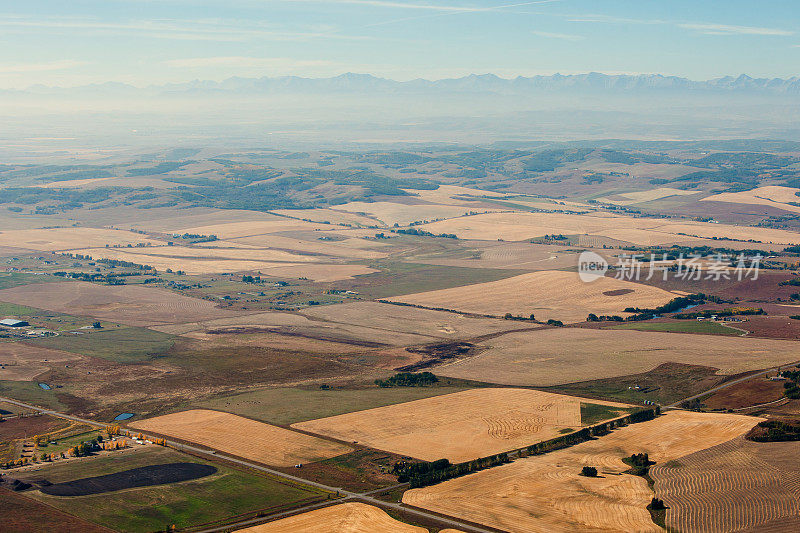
point(13, 323)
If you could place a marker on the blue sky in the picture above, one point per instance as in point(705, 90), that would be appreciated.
point(158, 41)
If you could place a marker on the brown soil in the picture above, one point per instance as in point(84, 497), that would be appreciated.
point(27, 427)
point(751, 392)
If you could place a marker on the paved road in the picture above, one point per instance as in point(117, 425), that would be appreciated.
point(348, 495)
point(729, 384)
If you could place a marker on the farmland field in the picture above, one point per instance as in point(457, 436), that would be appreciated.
point(547, 294)
point(460, 426)
point(23, 362)
point(290, 405)
point(69, 238)
point(126, 304)
point(545, 493)
point(566, 355)
point(345, 518)
point(520, 226)
point(242, 437)
point(683, 326)
point(735, 486)
point(226, 493)
point(22, 514)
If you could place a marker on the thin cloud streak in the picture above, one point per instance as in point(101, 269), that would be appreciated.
point(63, 64)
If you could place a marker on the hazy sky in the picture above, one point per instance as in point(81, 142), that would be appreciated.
point(155, 41)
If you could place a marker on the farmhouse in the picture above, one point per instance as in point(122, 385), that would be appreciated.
point(13, 323)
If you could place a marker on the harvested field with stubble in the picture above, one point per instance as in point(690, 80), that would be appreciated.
point(520, 226)
point(568, 355)
point(242, 437)
point(545, 493)
point(461, 426)
point(126, 304)
point(69, 238)
point(351, 517)
point(548, 294)
point(735, 486)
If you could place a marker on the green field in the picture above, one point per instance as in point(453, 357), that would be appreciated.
point(119, 344)
point(47, 319)
point(8, 281)
point(592, 413)
point(30, 392)
point(684, 326)
point(227, 493)
point(286, 406)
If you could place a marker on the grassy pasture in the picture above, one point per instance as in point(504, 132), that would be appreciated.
point(227, 493)
point(121, 344)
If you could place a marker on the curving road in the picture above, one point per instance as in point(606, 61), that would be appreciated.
point(366, 497)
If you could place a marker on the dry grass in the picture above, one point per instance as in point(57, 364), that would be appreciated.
point(547, 294)
point(319, 272)
point(546, 494)
point(351, 517)
point(243, 437)
point(568, 355)
point(69, 238)
point(390, 213)
point(459, 426)
point(734, 486)
point(402, 319)
point(248, 228)
point(125, 304)
point(21, 362)
point(341, 249)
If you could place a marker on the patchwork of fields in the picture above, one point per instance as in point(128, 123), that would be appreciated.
point(546, 493)
point(567, 355)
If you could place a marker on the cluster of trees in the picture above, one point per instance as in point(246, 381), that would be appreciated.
point(251, 279)
point(775, 431)
point(408, 379)
point(423, 233)
point(640, 464)
point(509, 316)
point(728, 311)
point(589, 471)
point(604, 318)
point(444, 470)
point(794, 282)
point(671, 306)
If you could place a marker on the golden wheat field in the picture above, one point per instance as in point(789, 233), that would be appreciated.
point(648, 196)
point(460, 426)
point(734, 486)
point(773, 195)
point(351, 517)
point(69, 238)
point(568, 355)
point(548, 294)
point(545, 493)
point(248, 228)
point(390, 213)
point(242, 437)
point(520, 226)
point(317, 247)
point(133, 305)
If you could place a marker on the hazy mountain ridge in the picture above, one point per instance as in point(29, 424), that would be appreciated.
point(474, 83)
